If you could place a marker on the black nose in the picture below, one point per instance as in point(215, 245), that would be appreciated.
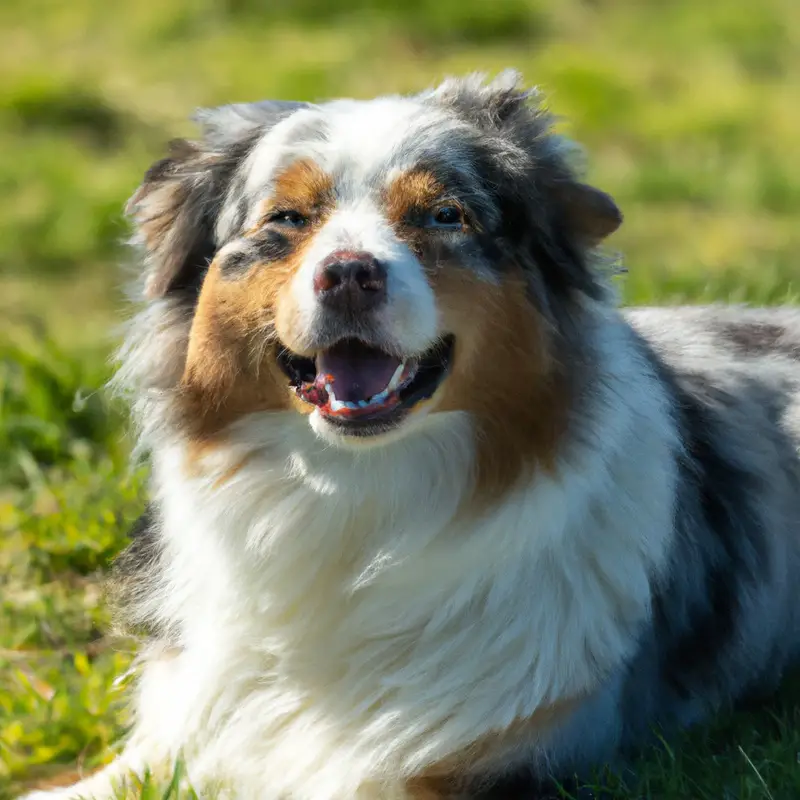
point(350, 281)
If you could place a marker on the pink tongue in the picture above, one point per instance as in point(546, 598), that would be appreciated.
point(355, 371)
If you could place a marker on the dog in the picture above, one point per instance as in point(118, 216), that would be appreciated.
point(432, 516)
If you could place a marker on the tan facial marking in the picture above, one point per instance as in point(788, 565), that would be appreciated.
point(504, 374)
point(230, 368)
point(415, 189)
point(303, 187)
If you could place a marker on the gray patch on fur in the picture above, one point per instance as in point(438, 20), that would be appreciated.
point(134, 581)
point(726, 621)
point(759, 338)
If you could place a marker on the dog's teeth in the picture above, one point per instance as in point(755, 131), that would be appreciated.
point(336, 405)
point(349, 404)
point(395, 381)
point(379, 398)
point(328, 388)
point(363, 403)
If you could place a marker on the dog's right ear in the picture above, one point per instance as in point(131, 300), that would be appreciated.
point(174, 211)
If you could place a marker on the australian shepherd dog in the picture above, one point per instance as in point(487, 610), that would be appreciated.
point(431, 517)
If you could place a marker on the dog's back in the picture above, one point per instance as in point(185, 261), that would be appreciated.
point(727, 621)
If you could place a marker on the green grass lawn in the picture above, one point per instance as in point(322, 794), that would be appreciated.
point(690, 114)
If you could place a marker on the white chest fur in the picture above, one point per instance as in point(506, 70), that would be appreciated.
point(358, 625)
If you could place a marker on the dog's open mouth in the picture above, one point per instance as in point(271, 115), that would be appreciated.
point(363, 388)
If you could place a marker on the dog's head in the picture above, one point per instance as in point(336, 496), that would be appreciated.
point(370, 263)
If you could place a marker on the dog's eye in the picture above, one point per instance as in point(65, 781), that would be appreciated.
point(293, 219)
point(448, 217)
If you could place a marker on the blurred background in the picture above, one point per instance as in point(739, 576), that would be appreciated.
point(689, 111)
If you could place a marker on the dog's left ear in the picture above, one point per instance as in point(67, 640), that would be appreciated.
point(175, 210)
point(591, 214)
point(519, 128)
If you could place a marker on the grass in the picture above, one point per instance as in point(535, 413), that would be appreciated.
point(689, 112)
